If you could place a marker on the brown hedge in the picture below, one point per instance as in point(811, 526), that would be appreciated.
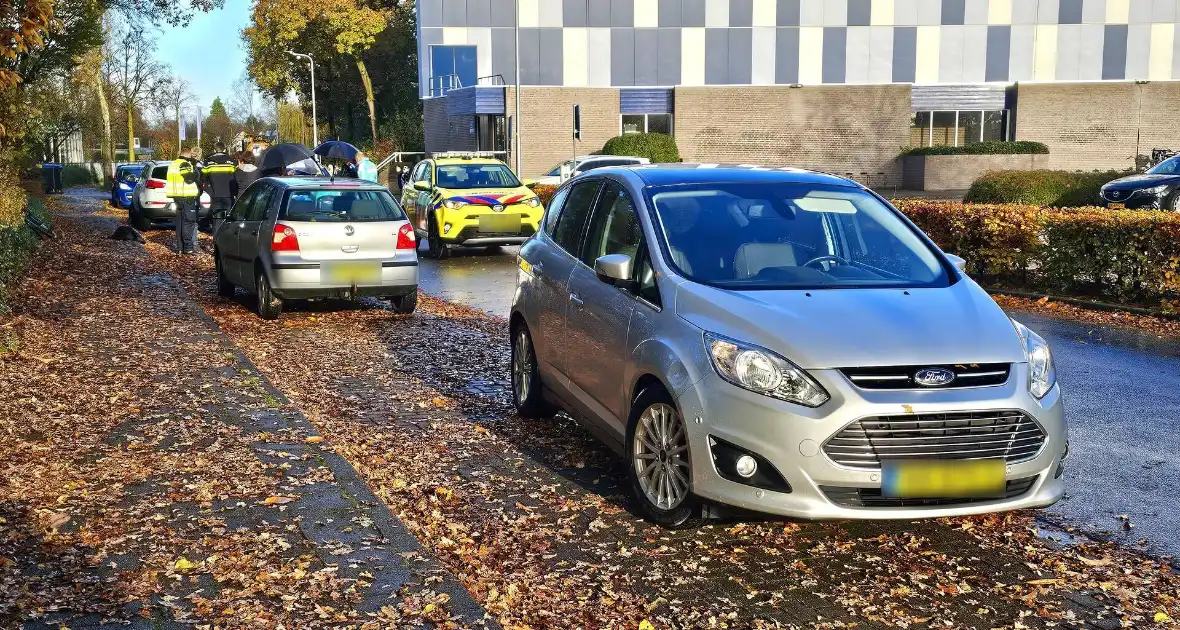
point(1127, 256)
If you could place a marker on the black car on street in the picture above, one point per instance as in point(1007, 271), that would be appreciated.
point(1156, 189)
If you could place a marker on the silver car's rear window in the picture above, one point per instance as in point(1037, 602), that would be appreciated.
point(792, 236)
point(340, 206)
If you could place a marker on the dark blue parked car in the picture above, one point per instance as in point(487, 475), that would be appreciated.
point(124, 182)
point(1157, 189)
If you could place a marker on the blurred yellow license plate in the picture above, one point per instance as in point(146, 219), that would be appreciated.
point(943, 479)
point(351, 272)
point(499, 223)
point(1116, 206)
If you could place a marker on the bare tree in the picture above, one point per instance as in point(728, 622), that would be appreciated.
point(131, 70)
point(244, 102)
point(172, 94)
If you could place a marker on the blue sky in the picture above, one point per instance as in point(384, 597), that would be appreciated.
point(208, 52)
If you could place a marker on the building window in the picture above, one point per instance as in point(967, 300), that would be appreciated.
point(647, 123)
point(957, 128)
point(452, 67)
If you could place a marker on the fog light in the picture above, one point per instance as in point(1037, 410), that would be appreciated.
point(746, 466)
point(446, 227)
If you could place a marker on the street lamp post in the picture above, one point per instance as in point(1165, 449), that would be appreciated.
point(315, 125)
point(516, 91)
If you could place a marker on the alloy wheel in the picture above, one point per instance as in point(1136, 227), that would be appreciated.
point(660, 456)
point(522, 366)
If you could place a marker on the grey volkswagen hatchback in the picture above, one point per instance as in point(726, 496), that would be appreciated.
point(781, 341)
point(314, 237)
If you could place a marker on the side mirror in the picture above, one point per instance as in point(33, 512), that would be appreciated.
point(422, 186)
point(529, 183)
point(958, 262)
point(613, 268)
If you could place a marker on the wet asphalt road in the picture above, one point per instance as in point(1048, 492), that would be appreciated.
point(1122, 403)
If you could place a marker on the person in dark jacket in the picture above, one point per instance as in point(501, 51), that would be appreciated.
point(217, 179)
point(246, 172)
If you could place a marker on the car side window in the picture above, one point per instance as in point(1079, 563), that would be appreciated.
point(615, 227)
point(554, 209)
point(645, 278)
point(428, 173)
point(574, 213)
point(418, 170)
point(238, 213)
point(260, 203)
point(589, 166)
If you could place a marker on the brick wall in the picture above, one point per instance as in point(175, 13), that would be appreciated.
point(444, 132)
point(1094, 125)
point(547, 114)
point(854, 131)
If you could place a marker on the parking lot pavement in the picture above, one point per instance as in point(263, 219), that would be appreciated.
point(151, 477)
point(1122, 392)
point(533, 517)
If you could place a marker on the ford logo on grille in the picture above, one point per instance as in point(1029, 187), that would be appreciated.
point(934, 377)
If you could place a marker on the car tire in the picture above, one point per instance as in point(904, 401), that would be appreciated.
point(225, 288)
point(658, 463)
point(137, 220)
point(526, 377)
point(1173, 202)
point(405, 304)
point(435, 247)
point(270, 306)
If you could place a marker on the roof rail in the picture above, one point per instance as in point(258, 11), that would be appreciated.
point(468, 154)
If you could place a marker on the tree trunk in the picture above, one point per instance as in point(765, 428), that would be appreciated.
point(360, 65)
point(108, 149)
point(130, 133)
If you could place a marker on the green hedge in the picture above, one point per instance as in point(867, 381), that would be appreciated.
point(17, 242)
point(76, 175)
point(1022, 147)
point(1055, 189)
point(656, 147)
point(1130, 257)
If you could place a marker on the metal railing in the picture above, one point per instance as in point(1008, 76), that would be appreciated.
point(442, 84)
point(491, 79)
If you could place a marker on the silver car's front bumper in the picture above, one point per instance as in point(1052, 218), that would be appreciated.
point(791, 438)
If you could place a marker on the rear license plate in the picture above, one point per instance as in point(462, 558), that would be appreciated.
point(351, 272)
point(943, 479)
point(497, 223)
point(1116, 206)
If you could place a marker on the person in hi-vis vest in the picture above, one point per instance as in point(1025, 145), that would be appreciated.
point(182, 188)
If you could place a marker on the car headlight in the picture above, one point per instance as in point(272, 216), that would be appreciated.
point(124, 186)
point(762, 371)
point(533, 202)
point(1042, 375)
point(453, 204)
point(1155, 190)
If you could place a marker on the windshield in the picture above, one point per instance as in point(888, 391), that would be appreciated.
point(792, 236)
point(556, 170)
point(476, 176)
point(340, 206)
point(1169, 166)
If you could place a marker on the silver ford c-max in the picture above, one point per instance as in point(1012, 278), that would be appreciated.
point(782, 341)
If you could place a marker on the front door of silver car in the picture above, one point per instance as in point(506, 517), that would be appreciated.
point(599, 313)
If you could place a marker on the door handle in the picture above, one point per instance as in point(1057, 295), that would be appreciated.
point(254, 232)
point(577, 300)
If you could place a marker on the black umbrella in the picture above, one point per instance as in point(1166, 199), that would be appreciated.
point(338, 149)
point(274, 160)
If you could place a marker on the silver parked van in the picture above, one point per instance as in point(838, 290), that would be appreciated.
point(312, 237)
point(781, 341)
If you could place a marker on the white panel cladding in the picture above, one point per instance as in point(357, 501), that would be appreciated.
point(692, 56)
point(575, 57)
point(763, 42)
point(881, 54)
point(598, 56)
point(857, 61)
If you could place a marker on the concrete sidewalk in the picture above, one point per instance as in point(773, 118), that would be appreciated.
point(154, 476)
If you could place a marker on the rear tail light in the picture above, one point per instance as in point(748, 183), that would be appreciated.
point(154, 183)
point(405, 237)
point(283, 239)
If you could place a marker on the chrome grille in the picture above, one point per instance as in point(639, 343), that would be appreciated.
point(902, 376)
point(1008, 435)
